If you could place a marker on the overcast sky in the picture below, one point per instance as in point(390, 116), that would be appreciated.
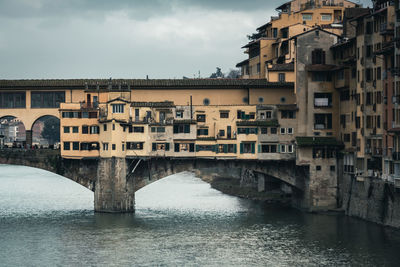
point(65, 39)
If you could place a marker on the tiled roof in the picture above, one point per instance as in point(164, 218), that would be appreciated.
point(92, 84)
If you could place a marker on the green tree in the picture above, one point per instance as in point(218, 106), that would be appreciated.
point(51, 130)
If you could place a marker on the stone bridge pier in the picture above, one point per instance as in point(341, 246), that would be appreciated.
point(114, 181)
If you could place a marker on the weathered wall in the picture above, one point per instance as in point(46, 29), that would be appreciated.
point(372, 200)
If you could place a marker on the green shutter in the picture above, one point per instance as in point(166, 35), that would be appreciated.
point(241, 148)
point(216, 149)
point(247, 130)
point(166, 146)
point(235, 148)
point(259, 148)
point(279, 148)
point(256, 130)
point(154, 146)
point(225, 148)
point(176, 129)
point(253, 148)
point(197, 148)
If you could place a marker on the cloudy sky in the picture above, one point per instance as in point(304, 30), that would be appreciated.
point(125, 38)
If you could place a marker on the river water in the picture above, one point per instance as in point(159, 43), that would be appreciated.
point(47, 220)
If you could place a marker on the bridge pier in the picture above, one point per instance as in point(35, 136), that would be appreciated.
point(113, 192)
point(28, 135)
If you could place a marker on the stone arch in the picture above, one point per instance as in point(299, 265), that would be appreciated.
point(151, 170)
point(48, 123)
point(14, 136)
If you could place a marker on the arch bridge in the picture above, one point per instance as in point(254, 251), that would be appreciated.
point(114, 181)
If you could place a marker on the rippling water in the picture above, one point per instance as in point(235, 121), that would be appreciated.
point(47, 220)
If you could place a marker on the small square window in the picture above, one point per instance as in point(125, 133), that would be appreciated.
point(333, 167)
point(179, 114)
point(283, 130)
point(66, 129)
point(318, 168)
point(264, 130)
point(274, 130)
point(114, 147)
point(75, 129)
point(283, 149)
point(290, 130)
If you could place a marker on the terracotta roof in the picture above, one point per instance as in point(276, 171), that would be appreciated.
point(282, 67)
point(124, 84)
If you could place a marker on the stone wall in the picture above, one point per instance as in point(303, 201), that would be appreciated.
point(371, 199)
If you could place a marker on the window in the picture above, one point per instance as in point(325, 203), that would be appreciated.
point(378, 73)
point(224, 115)
point(261, 100)
point(369, 50)
point(289, 130)
point(85, 129)
point(67, 146)
point(345, 95)
point(202, 131)
point(47, 99)
point(282, 77)
point(323, 121)
point(114, 147)
point(181, 128)
point(290, 149)
point(288, 114)
point(85, 115)
point(105, 127)
point(318, 56)
point(264, 130)
point(113, 127)
point(318, 168)
point(105, 146)
point(158, 129)
point(346, 138)
point(201, 117)
point(268, 148)
point(205, 148)
point(274, 130)
point(319, 152)
point(322, 100)
point(206, 101)
point(94, 129)
point(247, 130)
point(326, 17)
point(118, 108)
point(134, 146)
point(141, 129)
point(283, 148)
point(283, 130)
point(245, 100)
point(12, 100)
point(332, 168)
point(179, 114)
point(247, 148)
point(75, 129)
point(75, 145)
point(307, 16)
point(184, 147)
point(369, 74)
point(66, 129)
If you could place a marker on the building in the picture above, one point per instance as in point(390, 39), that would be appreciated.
point(271, 47)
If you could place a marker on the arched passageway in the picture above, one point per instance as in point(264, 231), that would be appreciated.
point(46, 131)
point(12, 132)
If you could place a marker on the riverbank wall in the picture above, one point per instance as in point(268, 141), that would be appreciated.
point(370, 199)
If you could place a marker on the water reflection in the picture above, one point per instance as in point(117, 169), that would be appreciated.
point(48, 220)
